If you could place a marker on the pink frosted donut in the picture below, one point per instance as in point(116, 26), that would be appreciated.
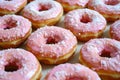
point(13, 30)
point(18, 64)
point(115, 30)
point(110, 9)
point(85, 23)
point(69, 5)
point(71, 72)
point(52, 45)
point(43, 12)
point(103, 56)
point(11, 6)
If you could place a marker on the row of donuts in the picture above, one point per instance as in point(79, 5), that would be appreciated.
point(18, 64)
point(37, 11)
point(65, 42)
point(51, 44)
point(100, 55)
point(85, 24)
point(102, 58)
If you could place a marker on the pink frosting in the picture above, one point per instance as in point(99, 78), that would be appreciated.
point(109, 7)
point(73, 21)
point(92, 51)
point(75, 2)
point(26, 62)
point(64, 39)
point(115, 30)
point(31, 11)
point(11, 5)
point(13, 27)
point(71, 72)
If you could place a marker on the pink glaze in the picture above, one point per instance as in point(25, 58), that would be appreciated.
point(92, 51)
point(13, 27)
point(74, 2)
point(108, 7)
point(71, 72)
point(11, 5)
point(26, 62)
point(35, 11)
point(96, 22)
point(38, 42)
point(115, 30)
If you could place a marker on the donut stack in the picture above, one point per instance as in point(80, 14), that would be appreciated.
point(59, 40)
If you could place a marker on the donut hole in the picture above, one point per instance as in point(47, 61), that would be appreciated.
point(13, 66)
point(85, 19)
point(109, 51)
point(10, 24)
point(111, 2)
point(106, 54)
point(53, 39)
point(44, 7)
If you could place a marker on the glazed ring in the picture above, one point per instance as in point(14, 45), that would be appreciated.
point(14, 30)
point(44, 12)
point(69, 5)
point(71, 72)
point(85, 24)
point(18, 64)
point(52, 45)
point(11, 6)
point(110, 9)
point(115, 30)
point(102, 56)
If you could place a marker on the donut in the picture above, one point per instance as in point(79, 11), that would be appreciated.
point(52, 44)
point(69, 5)
point(43, 12)
point(103, 56)
point(115, 30)
point(110, 9)
point(14, 30)
point(85, 24)
point(19, 64)
point(70, 71)
point(11, 6)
